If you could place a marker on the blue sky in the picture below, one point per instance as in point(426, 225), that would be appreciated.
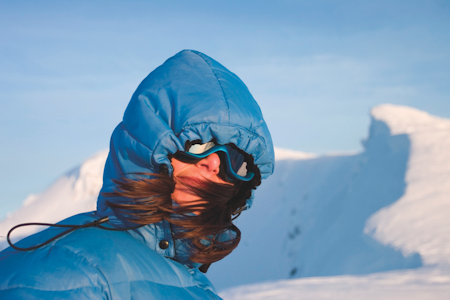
point(68, 69)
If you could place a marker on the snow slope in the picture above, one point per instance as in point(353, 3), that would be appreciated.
point(384, 209)
point(420, 220)
point(417, 284)
point(74, 192)
point(380, 210)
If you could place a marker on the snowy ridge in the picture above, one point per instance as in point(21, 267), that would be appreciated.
point(283, 154)
point(419, 221)
point(404, 174)
point(334, 215)
point(74, 192)
point(408, 120)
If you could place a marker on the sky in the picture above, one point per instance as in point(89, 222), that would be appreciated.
point(69, 68)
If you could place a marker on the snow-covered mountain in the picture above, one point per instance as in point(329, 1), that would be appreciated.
point(380, 210)
point(383, 209)
point(73, 193)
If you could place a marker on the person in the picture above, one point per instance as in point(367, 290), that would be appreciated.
point(183, 164)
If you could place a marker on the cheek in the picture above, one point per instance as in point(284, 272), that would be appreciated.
point(183, 196)
point(178, 166)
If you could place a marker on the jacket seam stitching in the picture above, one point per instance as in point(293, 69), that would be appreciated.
point(162, 136)
point(102, 286)
point(45, 290)
point(134, 138)
point(80, 287)
point(221, 88)
point(229, 125)
point(118, 282)
point(115, 159)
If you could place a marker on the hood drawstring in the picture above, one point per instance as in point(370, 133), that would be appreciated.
point(96, 223)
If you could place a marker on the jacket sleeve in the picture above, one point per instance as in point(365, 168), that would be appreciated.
point(49, 273)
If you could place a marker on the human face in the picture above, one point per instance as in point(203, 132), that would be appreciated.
point(206, 169)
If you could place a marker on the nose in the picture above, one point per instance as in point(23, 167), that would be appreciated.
point(210, 164)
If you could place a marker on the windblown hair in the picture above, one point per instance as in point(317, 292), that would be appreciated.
point(149, 201)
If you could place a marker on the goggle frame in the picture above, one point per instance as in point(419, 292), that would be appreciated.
point(210, 148)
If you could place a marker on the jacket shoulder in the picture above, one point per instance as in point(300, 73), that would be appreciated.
point(93, 263)
point(50, 273)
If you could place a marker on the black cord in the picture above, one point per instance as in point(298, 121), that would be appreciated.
point(95, 223)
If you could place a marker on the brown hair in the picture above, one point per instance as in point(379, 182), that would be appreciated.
point(149, 201)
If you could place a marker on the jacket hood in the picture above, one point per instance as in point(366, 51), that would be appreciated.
point(189, 97)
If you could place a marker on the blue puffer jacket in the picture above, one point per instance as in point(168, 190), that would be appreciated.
point(190, 97)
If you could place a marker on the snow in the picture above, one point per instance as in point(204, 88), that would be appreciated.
point(339, 226)
point(383, 209)
point(419, 221)
point(74, 192)
point(283, 154)
point(418, 284)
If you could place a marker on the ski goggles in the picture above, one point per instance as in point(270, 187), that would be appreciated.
point(235, 163)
